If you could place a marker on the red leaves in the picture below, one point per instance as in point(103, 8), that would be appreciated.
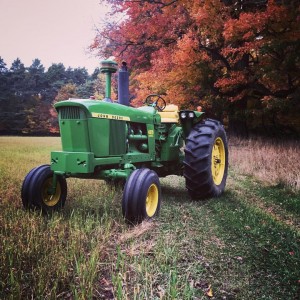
point(236, 78)
point(247, 27)
point(175, 46)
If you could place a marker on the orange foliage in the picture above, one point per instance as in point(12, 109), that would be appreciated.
point(66, 92)
point(193, 51)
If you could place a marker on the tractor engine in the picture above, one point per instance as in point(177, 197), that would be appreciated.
point(95, 133)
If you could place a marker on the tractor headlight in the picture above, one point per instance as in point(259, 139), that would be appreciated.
point(191, 115)
point(183, 115)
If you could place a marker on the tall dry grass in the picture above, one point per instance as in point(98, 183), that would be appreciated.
point(272, 162)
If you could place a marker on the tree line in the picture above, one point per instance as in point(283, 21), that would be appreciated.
point(27, 94)
point(239, 60)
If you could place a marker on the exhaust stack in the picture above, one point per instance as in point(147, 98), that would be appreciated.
point(123, 85)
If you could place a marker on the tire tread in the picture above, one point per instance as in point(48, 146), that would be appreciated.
point(197, 162)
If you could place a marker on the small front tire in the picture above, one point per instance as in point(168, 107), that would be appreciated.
point(142, 196)
point(26, 201)
point(36, 190)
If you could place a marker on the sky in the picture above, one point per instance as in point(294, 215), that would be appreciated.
point(54, 31)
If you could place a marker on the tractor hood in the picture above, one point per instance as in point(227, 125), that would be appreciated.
point(85, 108)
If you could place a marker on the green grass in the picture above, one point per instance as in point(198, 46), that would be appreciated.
point(243, 245)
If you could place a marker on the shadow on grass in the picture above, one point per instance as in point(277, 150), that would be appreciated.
point(280, 195)
point(174, 192)
point(181, 195)
point(270, 249)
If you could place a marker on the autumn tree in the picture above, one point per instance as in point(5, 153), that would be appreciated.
point(237, 58)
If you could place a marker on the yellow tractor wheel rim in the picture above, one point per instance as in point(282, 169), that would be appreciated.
point(218, 160)
point(50, 200)
point(152, 200)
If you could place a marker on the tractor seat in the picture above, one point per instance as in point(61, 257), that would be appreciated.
point(169, 114)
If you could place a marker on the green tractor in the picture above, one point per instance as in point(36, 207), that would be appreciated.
point(135, 146)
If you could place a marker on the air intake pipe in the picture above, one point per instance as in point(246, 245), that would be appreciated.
point(123, 85)
point(108, 67)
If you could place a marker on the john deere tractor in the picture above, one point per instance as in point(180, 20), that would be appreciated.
point(118, 143)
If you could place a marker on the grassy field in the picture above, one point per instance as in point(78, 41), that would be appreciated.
point(243, 245)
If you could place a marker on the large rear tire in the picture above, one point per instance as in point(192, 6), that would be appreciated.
point(206, 160)
point(36, 190)
point(142, 196)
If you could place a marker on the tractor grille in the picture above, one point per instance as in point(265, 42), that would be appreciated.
point(117, 143)
point(70, 113)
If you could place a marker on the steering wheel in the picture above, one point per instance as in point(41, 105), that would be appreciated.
point(156, 100)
